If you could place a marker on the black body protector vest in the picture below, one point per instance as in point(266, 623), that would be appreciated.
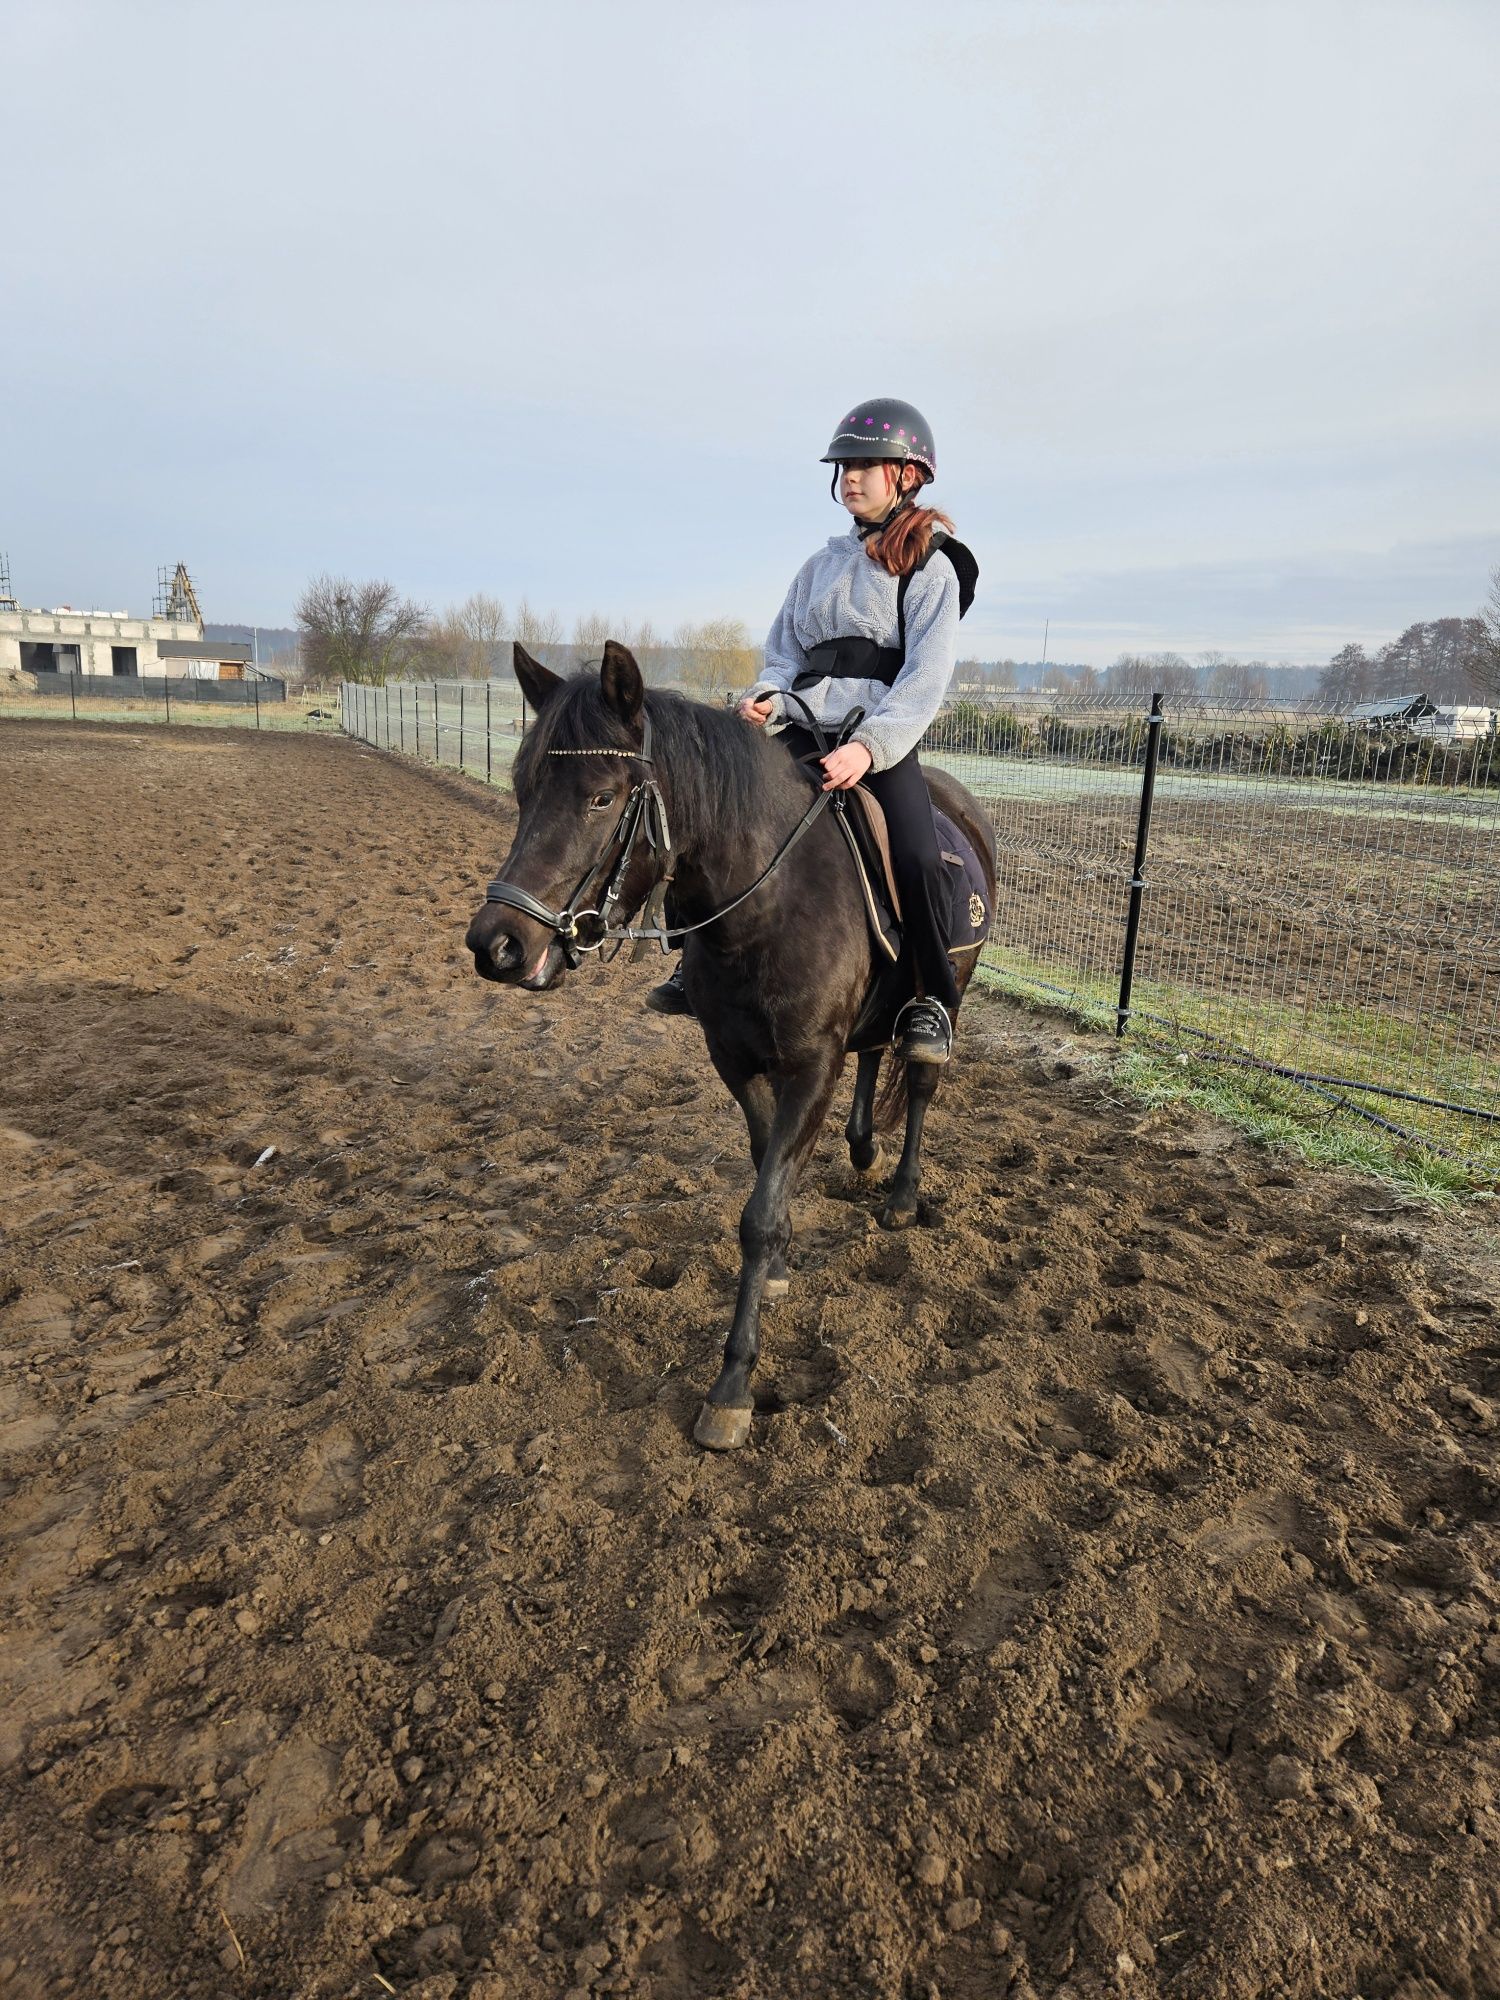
point(862, 659)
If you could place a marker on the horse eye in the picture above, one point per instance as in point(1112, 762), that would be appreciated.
point(599, 801)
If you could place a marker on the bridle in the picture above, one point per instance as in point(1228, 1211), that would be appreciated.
point(645, 813)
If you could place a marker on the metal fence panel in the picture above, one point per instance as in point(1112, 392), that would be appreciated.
point(160, 688)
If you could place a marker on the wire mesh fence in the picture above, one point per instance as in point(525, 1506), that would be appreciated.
point(1320, 900)
point(471, 726)
point(1317, 899)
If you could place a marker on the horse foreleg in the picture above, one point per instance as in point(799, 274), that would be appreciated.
point(901, 1203)
point(758, 1102)
point(765, 1230)
point(864, 1147)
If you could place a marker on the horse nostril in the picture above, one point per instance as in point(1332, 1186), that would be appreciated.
point(505, 953)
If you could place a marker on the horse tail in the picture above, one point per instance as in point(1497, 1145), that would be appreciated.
point(890, 1102)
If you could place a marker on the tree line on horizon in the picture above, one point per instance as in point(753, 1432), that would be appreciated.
point(367, 631)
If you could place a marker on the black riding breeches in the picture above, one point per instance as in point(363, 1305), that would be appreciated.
point(921, 876)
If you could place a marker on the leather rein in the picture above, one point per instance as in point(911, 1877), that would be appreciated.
point(645, 813)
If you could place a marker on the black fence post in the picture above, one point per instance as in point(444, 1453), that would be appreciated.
point(1138, 872)
point(487, 732)
point(387, 715)
point(460, 725)
point(256, 685)
point(73, 693)
point(166, 688)
point(437, 730)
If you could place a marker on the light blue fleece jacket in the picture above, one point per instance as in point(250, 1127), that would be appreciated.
point(840, 594)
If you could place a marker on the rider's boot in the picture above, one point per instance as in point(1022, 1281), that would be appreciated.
point(923, 1033)
point(669, 997)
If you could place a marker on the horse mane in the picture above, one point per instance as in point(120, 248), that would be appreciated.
point(718, 767)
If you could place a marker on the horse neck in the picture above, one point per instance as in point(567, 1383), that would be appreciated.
point(726, 828)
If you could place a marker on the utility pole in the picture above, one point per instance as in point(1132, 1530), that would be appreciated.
point(1046, 628)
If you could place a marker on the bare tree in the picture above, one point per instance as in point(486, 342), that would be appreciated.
point(1484, 670)
point(716, 656)
point(443, 649)
point(537, 628)
point(482, 621)
point(464, 644)
point(1144, 674)
point(1236, 682)
point(358, 631)
point(590, 630)
point(1348, 678)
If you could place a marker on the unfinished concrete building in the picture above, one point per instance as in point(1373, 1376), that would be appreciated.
point(68, 641)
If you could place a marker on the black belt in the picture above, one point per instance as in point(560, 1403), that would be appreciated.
point(851, 660)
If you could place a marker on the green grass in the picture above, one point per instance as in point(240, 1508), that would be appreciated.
point(1276, 1111)
point(1280, 1114)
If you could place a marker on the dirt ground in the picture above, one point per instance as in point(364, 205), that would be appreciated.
point(1107, 1602)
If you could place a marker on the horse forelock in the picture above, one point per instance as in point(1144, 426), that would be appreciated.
point(576, 718)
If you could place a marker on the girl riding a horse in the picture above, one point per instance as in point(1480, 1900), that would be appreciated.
point(871, 623)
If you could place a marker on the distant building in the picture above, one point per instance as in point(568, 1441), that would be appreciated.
point(1392, 712)
point(171, 641)
point(1419, 715)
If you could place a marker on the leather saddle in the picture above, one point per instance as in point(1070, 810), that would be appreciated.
point(864, 828)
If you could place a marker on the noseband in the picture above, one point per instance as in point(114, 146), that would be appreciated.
point(645, 811)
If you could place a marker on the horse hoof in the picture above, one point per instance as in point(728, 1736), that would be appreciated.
point(718, 1429)
point(892, 1217)
point(774, 1289)
point(868, 1173)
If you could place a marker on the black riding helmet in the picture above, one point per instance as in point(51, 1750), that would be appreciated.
point(883, 428)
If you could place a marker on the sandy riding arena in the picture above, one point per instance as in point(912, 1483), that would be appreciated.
point(1105, 1604)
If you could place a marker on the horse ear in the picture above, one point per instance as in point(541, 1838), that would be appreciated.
point(538, 683)
point(620, 682)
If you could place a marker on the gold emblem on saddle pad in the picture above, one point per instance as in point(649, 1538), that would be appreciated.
point(976, 912)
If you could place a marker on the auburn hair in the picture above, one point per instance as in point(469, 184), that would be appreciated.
point(901, 546)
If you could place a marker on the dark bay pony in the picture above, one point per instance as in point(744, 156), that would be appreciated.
point(777, 984)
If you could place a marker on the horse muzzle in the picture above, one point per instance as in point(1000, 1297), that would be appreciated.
point(510, 950)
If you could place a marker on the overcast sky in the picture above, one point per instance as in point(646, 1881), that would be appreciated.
point(1202, 302)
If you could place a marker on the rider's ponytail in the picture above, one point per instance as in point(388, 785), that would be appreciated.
point(902, 544)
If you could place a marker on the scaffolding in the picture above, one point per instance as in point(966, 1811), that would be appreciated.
point(175, 595)
point(7, 595)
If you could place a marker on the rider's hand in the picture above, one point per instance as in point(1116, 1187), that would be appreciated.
point(845, 766)
point(758, 712)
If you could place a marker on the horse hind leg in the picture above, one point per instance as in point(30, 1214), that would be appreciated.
point(864, 1147)
point(900, 1209)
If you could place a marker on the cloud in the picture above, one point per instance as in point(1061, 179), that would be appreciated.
point(1297, 607)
